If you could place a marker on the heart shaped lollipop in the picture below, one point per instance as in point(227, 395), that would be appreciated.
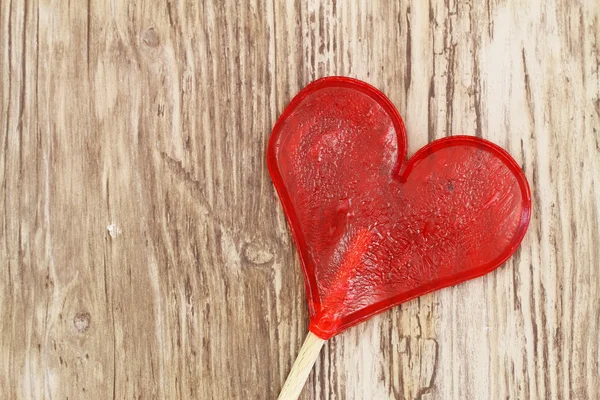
point(374, 230)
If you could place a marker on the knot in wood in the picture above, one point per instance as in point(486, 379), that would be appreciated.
point(81, 321)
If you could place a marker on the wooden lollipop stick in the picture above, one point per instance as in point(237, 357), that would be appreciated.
point(302, 366)
point(337, 295)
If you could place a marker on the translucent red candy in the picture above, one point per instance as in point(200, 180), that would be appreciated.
point(374, 230)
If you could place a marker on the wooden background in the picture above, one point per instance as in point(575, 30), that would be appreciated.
point(144, 253)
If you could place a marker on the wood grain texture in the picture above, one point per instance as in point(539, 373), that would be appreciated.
point(144, 252)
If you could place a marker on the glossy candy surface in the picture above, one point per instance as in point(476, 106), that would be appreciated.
point(374, 230)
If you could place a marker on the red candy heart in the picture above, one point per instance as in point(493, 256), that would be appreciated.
point(374, 230)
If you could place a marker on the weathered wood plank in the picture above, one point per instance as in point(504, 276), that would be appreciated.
point(146, 255)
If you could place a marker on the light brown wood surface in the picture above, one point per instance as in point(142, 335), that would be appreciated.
point(145, 255)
